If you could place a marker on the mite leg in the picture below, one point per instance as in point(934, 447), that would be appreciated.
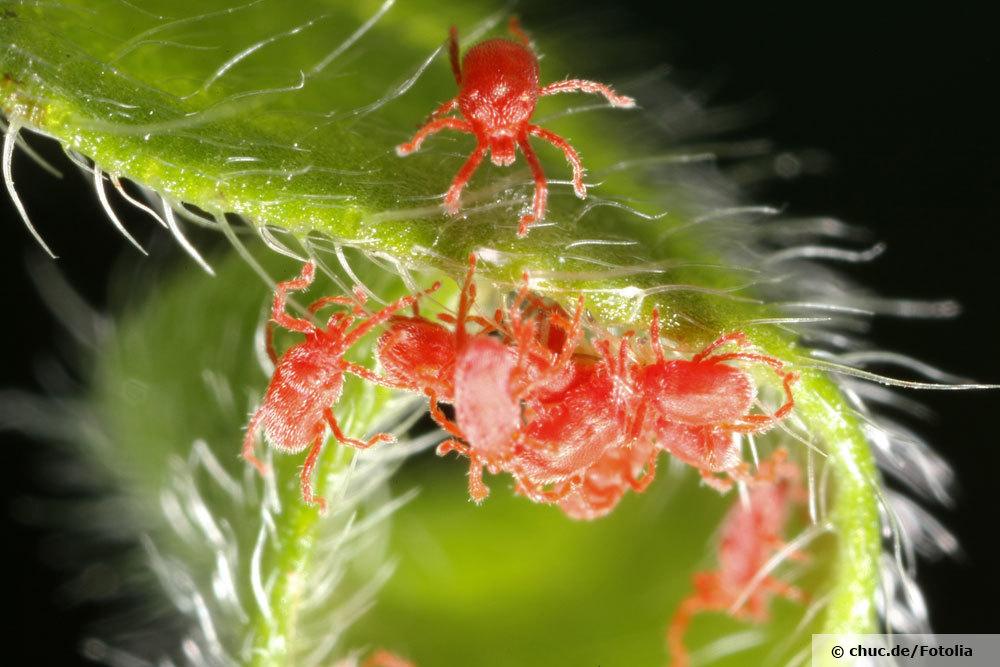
point(250, 442)
point(756, 423)
point(737, 337)
point(787, 591)
point(427, 130)
point(640, 485)
point(541, 189)
point(384, 314)
point(365, 374)
point(354, 442)
point(478, 491)
point(451, 198)
point(571, 156)
point(466, 299)
point(269, 343)
point(448, 425)
point(456, 66)
point(654, 336)
point(324, 301)
point(720, 484)
point(445, 108)
point(487, 326)
point(573, 85)
point(305, 476)
point(278, 313)
point(452, 445)
point(537, 494)
point(515, 29)
point(573, 330)
point(678, 628)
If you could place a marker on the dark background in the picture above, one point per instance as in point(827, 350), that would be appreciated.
point(902, 104)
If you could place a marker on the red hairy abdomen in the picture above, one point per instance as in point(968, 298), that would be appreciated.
point(705, 447)
point(499, 84)
point(487, 413)
point(698, 393)
point(303, 385)
point(572, 428)
point(419, 354)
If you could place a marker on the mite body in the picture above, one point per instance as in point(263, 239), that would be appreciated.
point(309, 377)
point(498, 81)
point(696, 409)
point(751, 534)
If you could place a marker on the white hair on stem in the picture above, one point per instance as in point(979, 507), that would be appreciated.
point(174, 227)
point(9, 141)
point(31, 153)
point(102, 196)
point(135, 202)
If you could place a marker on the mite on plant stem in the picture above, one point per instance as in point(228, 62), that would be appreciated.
point(750, 536)
point(309, 377)
point(695, 408)
point(488, 375)
point(498, 90)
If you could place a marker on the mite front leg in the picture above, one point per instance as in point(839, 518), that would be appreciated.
point(278, 314)
point(427, 130)
point(573, 85)
point(541, 189)
point(571, 156)
point(445, 108)
point(454, 194)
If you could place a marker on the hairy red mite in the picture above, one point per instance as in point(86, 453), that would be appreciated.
point(696, 408)
point(498, 83)
point(489, 378)
point(424, 356)
point(750, 536)
point(495, 381)
point(576, 432)
point(309, 377)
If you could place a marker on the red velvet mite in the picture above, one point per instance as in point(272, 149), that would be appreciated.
point(309, 377)
point(498, 83)
point(695, 408)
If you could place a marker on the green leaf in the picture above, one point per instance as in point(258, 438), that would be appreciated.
point(287, 115)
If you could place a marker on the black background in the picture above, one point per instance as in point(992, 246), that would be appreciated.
point(902, 104)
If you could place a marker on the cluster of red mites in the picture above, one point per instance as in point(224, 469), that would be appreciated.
point(576, 423)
